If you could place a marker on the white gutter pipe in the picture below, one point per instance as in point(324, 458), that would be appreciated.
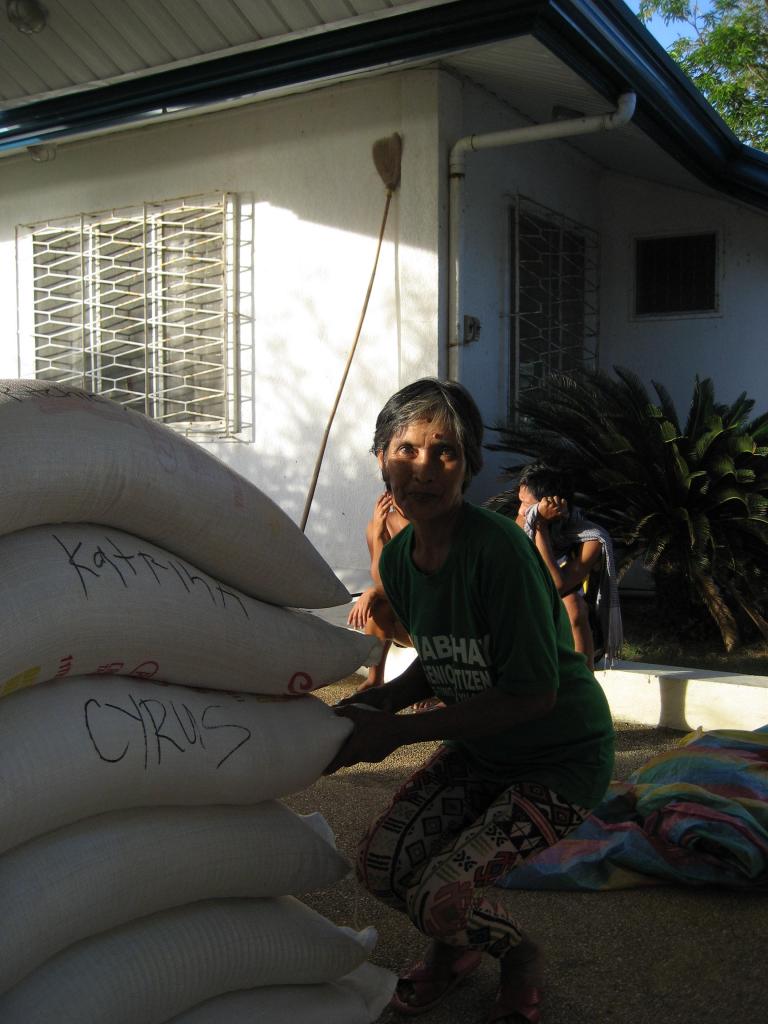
point(512, 137)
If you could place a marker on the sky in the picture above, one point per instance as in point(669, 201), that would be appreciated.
point(665, 34)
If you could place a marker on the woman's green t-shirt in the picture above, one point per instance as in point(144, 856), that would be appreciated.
point(491, 616)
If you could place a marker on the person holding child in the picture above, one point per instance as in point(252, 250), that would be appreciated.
point(573, 549)
point(372, 612)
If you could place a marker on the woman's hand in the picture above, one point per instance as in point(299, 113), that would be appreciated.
point(393, 696)
point(382, 506)
point(375, 735)
point(362, 609)
point(380, 512)
point(552, 508)
point(379, 698)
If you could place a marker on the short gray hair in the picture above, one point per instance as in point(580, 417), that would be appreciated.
point(429, 399)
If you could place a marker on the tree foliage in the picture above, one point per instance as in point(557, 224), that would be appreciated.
point(690, 499)
point(723, 48)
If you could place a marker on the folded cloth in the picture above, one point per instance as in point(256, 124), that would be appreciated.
point(564, 534)
point(695, 815)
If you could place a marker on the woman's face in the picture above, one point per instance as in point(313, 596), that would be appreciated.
point(424, 467)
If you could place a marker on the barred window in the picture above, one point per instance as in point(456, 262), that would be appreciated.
point(140, 305)
point(554, 295)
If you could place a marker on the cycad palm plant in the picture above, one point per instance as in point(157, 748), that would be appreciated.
point(691, 501)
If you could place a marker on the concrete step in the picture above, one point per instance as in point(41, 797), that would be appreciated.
point(684, 698)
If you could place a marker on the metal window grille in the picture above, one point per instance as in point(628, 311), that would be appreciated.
point(139, 305)
point(676, 275)
point(555, 292)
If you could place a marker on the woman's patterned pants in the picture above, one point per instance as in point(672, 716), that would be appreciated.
point(447, 837)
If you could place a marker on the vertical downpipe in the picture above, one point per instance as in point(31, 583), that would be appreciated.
point(456, 200)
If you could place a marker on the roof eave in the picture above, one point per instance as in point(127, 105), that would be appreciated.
point(610, 48)
point(601, 39)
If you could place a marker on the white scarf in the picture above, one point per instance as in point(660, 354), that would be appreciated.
point(564, 533)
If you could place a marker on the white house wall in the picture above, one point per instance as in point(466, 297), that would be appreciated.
point(551, 173)
point(304, 169)
point(729, 345)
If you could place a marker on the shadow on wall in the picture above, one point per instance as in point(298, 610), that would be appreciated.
point(314, 243)
point(302, 337)
point(308, 161)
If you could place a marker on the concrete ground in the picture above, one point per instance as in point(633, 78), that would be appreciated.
point(662, 955)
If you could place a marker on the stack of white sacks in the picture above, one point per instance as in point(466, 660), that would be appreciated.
point(155, 708)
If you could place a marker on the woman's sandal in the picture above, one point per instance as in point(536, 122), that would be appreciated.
point(430, 704)
point(519, 1007)
point(422, 973)
point(519, 997)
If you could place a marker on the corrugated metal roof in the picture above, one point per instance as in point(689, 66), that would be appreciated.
point(87, 42)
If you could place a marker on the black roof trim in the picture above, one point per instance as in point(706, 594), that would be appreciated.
point(601, 39)
point(612, 50)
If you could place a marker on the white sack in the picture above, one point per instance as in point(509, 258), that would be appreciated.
point(73, 457)
point(104, 871)
point(77, 600)
point(151, 969)
point(80, 747)
point(357, 998)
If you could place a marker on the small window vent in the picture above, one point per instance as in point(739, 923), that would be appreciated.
point(675, 275)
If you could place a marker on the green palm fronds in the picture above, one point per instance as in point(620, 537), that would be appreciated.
point(690, 500)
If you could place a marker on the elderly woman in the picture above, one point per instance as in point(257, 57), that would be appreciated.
point(527, 742)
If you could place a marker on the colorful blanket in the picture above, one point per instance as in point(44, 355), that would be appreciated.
point(695, 815)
